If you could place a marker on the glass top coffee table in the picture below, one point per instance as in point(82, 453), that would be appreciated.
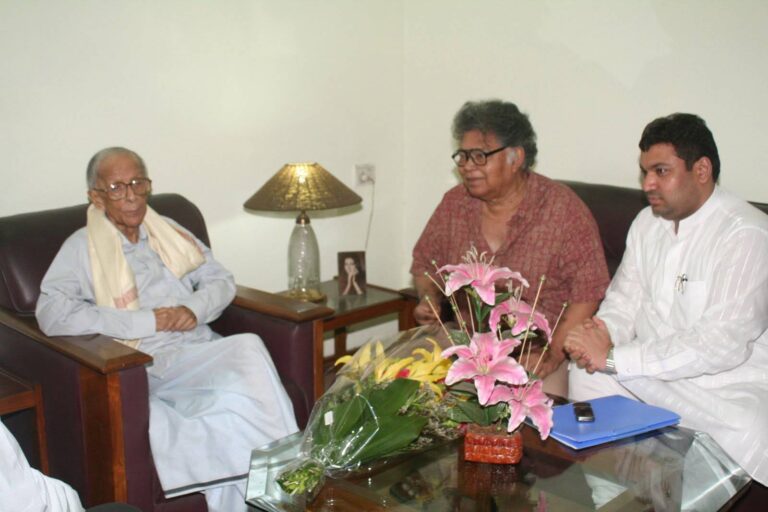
point(667, 470)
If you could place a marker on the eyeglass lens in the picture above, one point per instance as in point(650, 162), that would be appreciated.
point(140, 187)
point(462, 156)
point(478, 156)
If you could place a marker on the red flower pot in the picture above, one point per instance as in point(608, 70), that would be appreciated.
point(492, 444)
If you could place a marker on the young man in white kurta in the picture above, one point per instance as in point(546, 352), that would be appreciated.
point(686, 317)
point(212, 399)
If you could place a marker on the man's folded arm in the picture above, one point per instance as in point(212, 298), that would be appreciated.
point(66, 306)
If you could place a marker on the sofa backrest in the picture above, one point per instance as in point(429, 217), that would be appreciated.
point(614, 209)
point(30, 241)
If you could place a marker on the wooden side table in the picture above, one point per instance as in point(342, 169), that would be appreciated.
point(348, 310)
point(15, 396)
point(351, 309)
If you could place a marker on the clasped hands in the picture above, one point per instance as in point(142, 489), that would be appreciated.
point(588, 344)
point(424, 313)
point(177, 318)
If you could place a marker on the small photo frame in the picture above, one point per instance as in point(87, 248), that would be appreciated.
point(352, 273)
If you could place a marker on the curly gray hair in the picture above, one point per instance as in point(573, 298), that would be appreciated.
point(503, 119)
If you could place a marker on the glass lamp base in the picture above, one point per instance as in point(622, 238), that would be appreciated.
point(305, 295)
point(304, 262)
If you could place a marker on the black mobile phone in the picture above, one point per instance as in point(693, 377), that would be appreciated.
point(583, 412)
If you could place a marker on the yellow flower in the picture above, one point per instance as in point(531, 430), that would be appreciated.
point(434, 356)
point(388, 368)
point(424, 365)
point(432, 367)
point(362, 357)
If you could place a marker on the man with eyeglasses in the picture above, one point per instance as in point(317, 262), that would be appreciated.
point(522, 219)
point(148, 282)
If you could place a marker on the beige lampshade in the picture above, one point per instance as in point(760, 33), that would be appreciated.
point(302, 186)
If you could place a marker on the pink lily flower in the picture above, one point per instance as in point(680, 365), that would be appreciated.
point(481, 276)
point(485, 360)
point(525, 401)
point(521, 312)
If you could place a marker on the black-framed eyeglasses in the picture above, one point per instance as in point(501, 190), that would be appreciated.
point(118, 189)
point(478, 156)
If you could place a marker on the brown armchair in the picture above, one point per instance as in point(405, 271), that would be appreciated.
point(95, 390)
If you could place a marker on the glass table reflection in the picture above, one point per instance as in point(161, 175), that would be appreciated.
point(672, 469)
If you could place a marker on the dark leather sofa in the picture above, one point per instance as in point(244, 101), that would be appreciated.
point(95, 390)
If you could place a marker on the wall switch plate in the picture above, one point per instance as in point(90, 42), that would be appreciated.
point(365, 173)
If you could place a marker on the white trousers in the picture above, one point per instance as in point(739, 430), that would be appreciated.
point(211, 403)
point(582, 386)
point(226, 498)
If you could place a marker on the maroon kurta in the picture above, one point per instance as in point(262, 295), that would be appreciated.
point(552, 233)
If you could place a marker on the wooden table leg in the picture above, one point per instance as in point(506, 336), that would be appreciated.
point(42, 440)
point(318, 362)
point(405, 319)
point(339, 343)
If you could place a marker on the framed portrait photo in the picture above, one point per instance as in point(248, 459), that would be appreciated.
point(352, 273)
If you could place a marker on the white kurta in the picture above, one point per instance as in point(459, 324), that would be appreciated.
point(688, 315)
point(212, 399)
point(25, 489)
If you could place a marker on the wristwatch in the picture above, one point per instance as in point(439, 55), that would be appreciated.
point(610, 364)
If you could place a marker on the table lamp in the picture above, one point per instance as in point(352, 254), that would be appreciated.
point(302, 187)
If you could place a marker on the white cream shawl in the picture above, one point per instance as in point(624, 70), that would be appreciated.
point(113, 281)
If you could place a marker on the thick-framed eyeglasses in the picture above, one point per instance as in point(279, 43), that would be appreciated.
point(478, 156)
point(118, 189)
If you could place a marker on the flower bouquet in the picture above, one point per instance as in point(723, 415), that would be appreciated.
point(383, 403)
point(430, 384)
point(494, 385)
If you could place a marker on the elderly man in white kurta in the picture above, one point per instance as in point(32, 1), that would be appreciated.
point(684, 324)
point(143, 279)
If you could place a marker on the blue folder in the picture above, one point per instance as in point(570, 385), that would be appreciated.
point(616, 417)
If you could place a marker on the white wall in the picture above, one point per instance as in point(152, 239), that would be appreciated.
point(591, 74)
point(218, 95)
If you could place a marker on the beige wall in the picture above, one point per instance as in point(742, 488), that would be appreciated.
point(217, 96)
point(591, 75)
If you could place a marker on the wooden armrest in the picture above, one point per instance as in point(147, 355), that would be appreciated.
point(98, 352)
point(410, 294)
point(280, 306)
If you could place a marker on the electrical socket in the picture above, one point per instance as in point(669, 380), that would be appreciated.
point(365, 173)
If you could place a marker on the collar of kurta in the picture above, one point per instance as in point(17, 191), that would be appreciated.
point(691, 223)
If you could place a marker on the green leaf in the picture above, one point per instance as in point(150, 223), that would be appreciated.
point(471, 412)
point(468, 412)
point(459, 338)
point(346, 416)
point(501, 297)
point(394, 433)
point(389, 400)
